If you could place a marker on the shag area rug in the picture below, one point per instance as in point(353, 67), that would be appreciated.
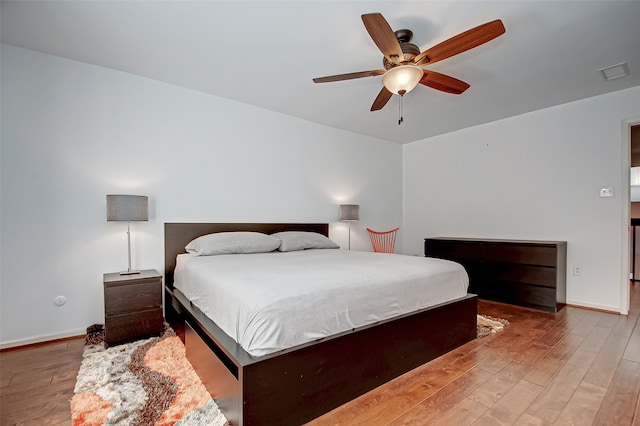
point(488, 325)
point(147, 382)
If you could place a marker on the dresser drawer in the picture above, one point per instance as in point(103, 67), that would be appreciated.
point(453, 250)
point(527, 274)
point(520, 294)
point(528, 254)
point(132, 297)
point(126, 327)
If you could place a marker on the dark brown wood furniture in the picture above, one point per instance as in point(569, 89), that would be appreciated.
point(296, 385)
point(520, 272)
point(635, 249)
point(133, 306)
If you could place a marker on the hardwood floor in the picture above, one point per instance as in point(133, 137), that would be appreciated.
point(38, 381)
point(577, 367)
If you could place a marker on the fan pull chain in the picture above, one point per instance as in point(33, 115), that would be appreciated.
point(400, 112)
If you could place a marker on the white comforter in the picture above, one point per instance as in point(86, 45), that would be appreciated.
point(272, 301)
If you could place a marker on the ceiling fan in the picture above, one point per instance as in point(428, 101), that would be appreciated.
point(403, 59)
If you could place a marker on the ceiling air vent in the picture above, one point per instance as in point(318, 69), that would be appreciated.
point(615, 71)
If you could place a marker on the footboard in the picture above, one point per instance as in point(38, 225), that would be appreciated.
point(302, 383)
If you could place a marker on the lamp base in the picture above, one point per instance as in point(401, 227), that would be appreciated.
point(129, 272)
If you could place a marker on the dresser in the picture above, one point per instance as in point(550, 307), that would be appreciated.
point(133, 306)
point(520, 272)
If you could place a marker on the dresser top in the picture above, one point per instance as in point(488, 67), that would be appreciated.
point(496, 240)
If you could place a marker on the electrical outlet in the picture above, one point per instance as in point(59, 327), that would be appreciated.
point(577, 270)
point(607, 191)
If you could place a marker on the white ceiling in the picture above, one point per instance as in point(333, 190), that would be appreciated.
point(265, 53)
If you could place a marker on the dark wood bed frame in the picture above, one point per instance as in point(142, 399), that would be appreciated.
point(296, 385)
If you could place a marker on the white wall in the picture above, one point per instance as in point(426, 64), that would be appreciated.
point(534, 176)
point(72, 133)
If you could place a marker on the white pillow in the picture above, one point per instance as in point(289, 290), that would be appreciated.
point(300, 240)
point(232, 243)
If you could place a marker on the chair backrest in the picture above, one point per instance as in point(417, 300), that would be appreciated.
point(383, 242)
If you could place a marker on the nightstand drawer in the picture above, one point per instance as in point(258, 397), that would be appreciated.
point(132, 297)
point(126, 327)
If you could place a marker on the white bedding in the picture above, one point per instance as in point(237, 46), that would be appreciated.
point(272, 301)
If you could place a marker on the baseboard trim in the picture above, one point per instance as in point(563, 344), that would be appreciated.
point(594, 308)
point(45, 338)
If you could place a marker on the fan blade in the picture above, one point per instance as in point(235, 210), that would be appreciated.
point(461, 43)
point(382, 99)
point(383, 36)
point(349, 76)
point(442, 82)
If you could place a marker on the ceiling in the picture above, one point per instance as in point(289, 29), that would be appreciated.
point(265, 53)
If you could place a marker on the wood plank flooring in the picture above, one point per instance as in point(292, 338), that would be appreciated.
point(577, 367)
point(38, 381)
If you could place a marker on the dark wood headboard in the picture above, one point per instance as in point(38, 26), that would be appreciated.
point(178, 235)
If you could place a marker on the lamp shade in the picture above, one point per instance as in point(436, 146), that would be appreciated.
point(349, 212)
point(127, 208)
point(402, 79)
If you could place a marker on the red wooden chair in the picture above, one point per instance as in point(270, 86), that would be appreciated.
point(383, 242)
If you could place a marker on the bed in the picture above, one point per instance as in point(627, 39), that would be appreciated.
point(299, 383)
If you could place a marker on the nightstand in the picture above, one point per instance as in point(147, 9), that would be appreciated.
point(132, 306)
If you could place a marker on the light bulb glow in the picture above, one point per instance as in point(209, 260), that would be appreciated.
point(403, 78)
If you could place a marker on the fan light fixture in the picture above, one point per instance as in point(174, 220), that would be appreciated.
point(402, 79)
point(402, 59)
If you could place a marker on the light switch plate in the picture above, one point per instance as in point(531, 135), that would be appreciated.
point(606, 191)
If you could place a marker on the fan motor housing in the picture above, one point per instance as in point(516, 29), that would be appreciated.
point(409, 50)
